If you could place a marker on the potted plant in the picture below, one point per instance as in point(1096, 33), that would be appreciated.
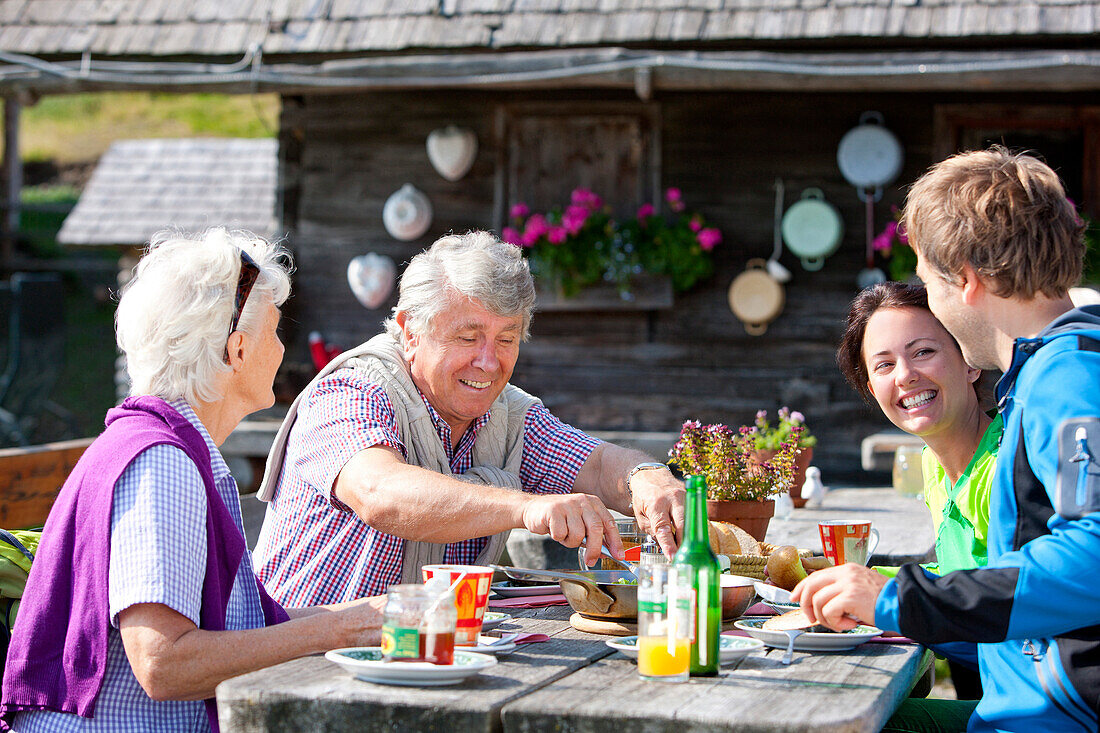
point(769, 438)
point(893, 246)
point(573, 247)
point(738, 484)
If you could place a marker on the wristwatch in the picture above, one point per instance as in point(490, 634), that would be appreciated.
point(643, 467)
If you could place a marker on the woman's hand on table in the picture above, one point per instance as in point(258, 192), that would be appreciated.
point(840, 597)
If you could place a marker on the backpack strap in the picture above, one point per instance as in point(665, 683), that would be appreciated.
point(12, 540)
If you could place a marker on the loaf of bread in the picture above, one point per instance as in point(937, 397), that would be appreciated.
point(729, 539)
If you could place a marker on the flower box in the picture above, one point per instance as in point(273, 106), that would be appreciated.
point(648, 293)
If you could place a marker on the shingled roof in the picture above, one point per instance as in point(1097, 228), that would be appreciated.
point(141, 186)
point(161, 28)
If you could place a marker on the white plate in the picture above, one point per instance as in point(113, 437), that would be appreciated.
point(507, 590)
point(729, 647)
point(485, 647)
point(811, 641)
point(365, 662)
point(493, 619)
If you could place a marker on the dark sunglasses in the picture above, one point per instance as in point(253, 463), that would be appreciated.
point(250, 272)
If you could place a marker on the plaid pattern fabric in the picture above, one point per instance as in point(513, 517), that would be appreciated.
point(314, 550)
point(158, 555)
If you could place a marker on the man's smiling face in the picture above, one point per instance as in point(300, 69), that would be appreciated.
point(464, 360)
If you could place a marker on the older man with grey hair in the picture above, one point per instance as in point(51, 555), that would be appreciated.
point(413, 448)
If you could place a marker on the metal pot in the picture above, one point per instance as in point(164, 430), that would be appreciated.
point(592, 593)
point(595, 593)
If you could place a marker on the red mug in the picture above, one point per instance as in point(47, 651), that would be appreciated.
point(471, 597)
point(846, 540)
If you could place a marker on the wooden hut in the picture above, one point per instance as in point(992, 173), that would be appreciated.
point(717, 97)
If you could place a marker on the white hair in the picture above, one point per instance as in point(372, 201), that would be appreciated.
point(174, 315)
point(475, 265)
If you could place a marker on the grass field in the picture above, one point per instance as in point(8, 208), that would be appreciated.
point(80, 127)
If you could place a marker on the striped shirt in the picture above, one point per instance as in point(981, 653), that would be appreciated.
point(158, 555)
point(313, 549)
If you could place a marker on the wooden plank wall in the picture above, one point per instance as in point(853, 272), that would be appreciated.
point(343, 155)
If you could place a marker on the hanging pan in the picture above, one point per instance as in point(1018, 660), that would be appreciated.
point(755, 297)
point(812, 229)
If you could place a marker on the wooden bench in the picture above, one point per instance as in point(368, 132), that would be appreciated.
point(31, 477)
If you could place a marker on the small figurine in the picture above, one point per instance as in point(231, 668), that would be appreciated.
point(784, 505)
point(813, 491)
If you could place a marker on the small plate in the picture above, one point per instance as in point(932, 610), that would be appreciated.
point(729, 647)
point(365, 662)
point(811, 641)
point(507, 590)
point(493, 619)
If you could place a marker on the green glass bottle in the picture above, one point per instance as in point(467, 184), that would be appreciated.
point(695, 553)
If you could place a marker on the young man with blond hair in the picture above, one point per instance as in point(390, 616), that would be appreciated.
point(999, 246)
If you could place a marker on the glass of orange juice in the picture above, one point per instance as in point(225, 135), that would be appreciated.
point(664, 622)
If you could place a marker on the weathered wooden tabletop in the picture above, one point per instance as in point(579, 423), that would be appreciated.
point(903, 522)
point(575, 682)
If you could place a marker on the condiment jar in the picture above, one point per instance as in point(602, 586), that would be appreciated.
point(438, 624)
point(405, 607)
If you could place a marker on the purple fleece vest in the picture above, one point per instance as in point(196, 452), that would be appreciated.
point(58, 652)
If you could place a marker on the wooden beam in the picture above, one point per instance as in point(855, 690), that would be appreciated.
point(12, 165)
point(30, 479)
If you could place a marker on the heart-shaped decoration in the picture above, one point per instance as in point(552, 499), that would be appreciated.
point(452, 151)
point(371, 277)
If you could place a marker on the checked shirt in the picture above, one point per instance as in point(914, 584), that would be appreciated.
point(314, 550)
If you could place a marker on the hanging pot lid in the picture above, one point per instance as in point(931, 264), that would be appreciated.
point(869, 155)
point(407, 213)
point(812, 229)
point(755, 297)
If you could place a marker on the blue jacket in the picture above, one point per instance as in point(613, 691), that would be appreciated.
point(1034, 610)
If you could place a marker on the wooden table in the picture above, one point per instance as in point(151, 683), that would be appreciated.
point(903, 522)
point(576, 683)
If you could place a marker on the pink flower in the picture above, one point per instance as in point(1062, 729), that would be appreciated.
point(673, 195)
point(709, 238)
point(797, 417)
point(586, 198)
point(885, 239)
point(520, 210)
point(511, 235)
point(645, 211)
point(556, 235)
point(574, 218)
point(696, 224)
point(536, 227)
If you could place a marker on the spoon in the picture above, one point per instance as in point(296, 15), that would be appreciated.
point(792, 634)
point(503, 639)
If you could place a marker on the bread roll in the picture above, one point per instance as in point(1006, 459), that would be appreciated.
point(729, 539)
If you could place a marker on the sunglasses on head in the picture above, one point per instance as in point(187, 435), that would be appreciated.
point(250, 272)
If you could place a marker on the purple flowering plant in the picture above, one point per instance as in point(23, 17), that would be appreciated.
point(726, 457)
point(790, 426)
point(579, 245)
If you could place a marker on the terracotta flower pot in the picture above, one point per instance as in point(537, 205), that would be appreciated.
point(801, 463)
point(751, 516)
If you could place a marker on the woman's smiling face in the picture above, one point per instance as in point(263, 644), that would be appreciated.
point(916, 372)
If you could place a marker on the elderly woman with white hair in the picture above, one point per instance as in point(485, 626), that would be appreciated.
point(142, 596)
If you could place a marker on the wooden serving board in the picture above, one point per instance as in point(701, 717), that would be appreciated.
point(610, 627)
point(605, 626)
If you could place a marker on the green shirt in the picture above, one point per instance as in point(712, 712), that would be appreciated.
point(960, 513)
